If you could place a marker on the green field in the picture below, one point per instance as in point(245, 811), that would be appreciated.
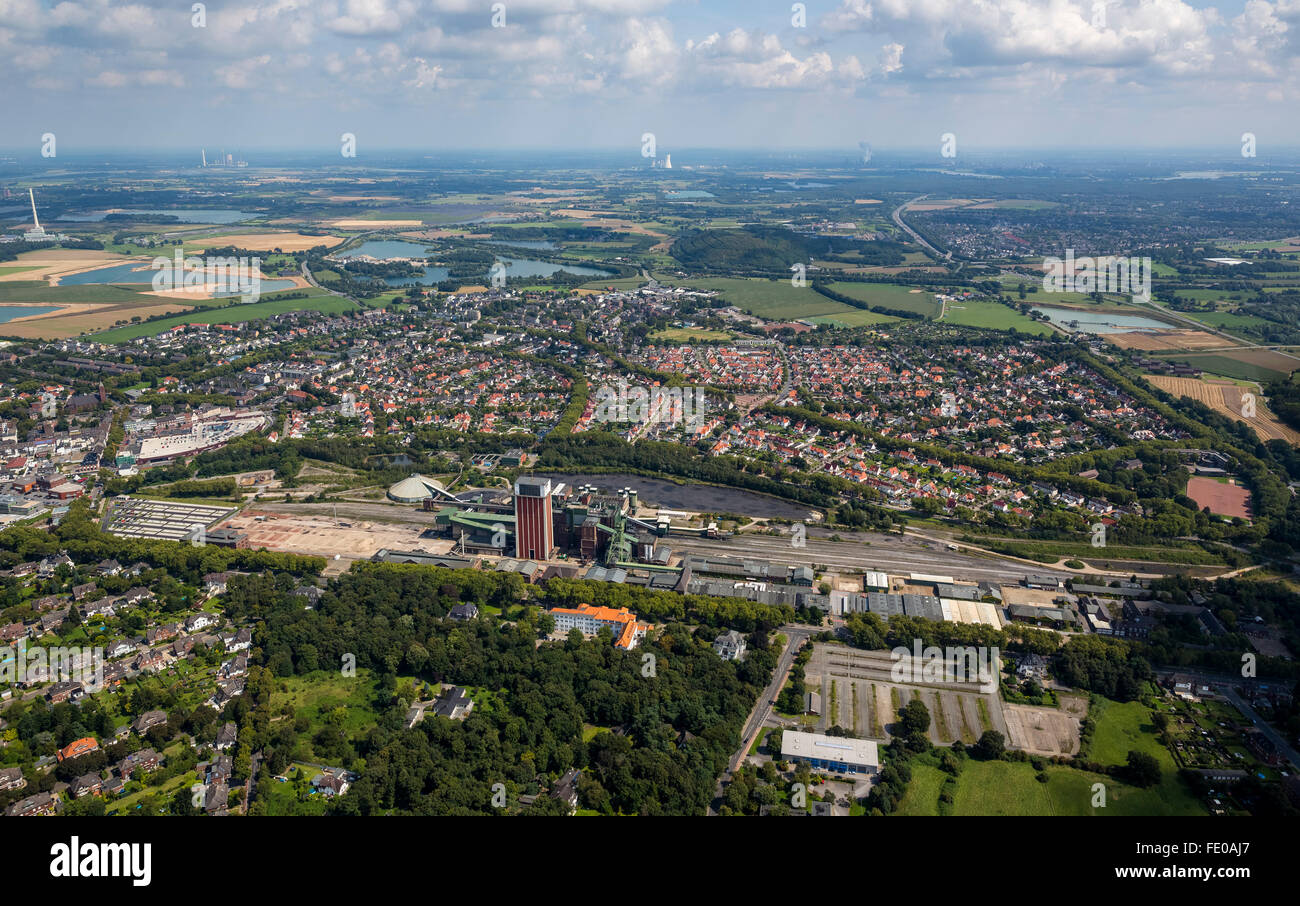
point(17, 270)
point(271, 304)
point(1011, 788)
point(922, 797)
point(325, 696)
point(854, 317)
point(890, 295)
point(616, 282)
point(1122, 727)
point(993, 315)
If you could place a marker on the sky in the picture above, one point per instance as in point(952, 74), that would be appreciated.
point(750, 74)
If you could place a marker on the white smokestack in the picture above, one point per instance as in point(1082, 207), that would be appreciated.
point(35, 220)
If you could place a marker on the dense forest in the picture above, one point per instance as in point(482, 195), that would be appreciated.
point(671, 712)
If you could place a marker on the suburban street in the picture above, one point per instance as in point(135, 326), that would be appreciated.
point(795, 637)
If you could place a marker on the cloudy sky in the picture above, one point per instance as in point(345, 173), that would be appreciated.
point(598, 73)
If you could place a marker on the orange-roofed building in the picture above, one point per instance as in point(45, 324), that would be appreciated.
point(589, 620)
point(78, 747)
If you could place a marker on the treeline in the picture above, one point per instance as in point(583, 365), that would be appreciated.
point(669, 606)
point(603, 452)
point(869, 631)
point(829, 293)
point(1109, 667)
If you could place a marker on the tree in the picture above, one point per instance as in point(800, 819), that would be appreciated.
point(991, 745)
point(1142, 769)
point(915, 717)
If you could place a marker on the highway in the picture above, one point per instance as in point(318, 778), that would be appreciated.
point(920, 240)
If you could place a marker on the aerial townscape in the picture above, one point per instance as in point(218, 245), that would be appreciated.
point(863, 480)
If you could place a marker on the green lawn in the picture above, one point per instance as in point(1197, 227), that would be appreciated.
point(993, 315)
point(1124, 727)
point(923, 792)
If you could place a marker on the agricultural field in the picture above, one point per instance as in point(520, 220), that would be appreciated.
point(888, 295)
point(853, 317)
point(267, 241)
point(1163, 340)
point(1225, 398)
point(1264, 365)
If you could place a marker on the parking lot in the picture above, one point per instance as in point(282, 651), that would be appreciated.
point(859, 694)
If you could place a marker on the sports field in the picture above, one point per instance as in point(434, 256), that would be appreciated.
point(1221, 498)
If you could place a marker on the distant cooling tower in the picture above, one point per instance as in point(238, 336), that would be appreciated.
point(865, 148)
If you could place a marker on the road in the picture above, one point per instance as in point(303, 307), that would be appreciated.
point(795, 637)
point(919, 239)
point(248, 784)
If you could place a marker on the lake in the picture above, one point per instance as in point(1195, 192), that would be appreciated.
point(385, 249)
point(10, 312)
point(128, 274)
point(1098, 322)
point(515, 267)
point(183, 215)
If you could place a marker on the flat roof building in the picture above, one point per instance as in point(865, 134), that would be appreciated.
point(833, 753)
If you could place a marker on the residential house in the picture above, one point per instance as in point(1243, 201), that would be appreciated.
point(78, 747)
point(86, 785)
point(730, 645)
point(12, 779)
point(148, 720)
point(227, 736)
point(40, 804)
